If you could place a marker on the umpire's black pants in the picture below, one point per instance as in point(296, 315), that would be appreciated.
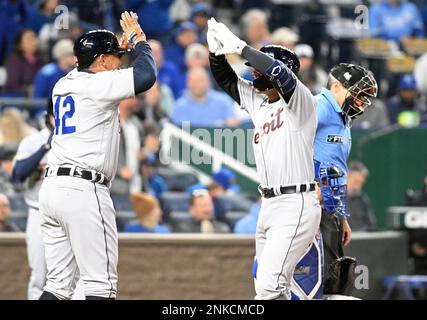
point(332, 233)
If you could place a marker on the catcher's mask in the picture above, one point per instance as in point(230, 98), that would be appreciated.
point(287, 56)
point(360, 84)
point(333, 188)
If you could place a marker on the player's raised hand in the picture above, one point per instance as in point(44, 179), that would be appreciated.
point(229, 42)
point(132, 31)
point(213, 43)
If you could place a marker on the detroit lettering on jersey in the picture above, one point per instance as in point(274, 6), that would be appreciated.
point(270, 126)
point(284, 134)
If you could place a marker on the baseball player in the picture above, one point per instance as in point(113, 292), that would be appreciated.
point(28, 166)
point(283, 112)
point(347, 95)
point(78, 217)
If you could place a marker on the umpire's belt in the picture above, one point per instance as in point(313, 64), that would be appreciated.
point(90, 175)
point(274, 192)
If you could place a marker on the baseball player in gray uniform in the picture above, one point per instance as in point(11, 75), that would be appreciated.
point(78, 217)
point(284, 115)
point(28, 165)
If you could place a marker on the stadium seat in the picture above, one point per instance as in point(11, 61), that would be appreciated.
point(17, 202)
point(233, 216)
point(19, 218)
point(235, 202)
point(177, 181)
point(123, 217)
point(373, 47)
point(121, 202)
point(401, 64)
point(173, 201)
point(179, 216)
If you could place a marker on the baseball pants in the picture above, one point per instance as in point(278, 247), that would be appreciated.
point(286, 227)
point(37, 261)
point(80, 236)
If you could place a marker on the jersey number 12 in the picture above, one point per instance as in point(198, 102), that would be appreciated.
point(67, 103)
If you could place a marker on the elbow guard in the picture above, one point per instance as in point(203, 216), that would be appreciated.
point(281, 76)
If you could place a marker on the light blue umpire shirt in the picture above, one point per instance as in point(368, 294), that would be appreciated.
point(333, 137)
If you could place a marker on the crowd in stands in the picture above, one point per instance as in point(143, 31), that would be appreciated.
point(35, 51)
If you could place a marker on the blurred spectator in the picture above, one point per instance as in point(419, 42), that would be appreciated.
point(418, 198)
point(407, 108)
point(22, 65)
point(14, 15)
point(47, 77)
point(285, 37)
point(310, 74)
point(375, 117)
point(13, 127)
point(128, 179)
point(153, 183)
point(200, 14)
point(153, 17)
point(421, 74)
point(202, 216)
point(42, 13)
point(184, 35)
point(5, 225)
point(395, 20)
point(196, 55)
point(255, 28)
point(6, 167)
point(418, 237)
point(167, 72)
point(157, 104)
point(151, 140)
point(12, 130)
point(148, 215)
point(247, 225)
point(361, 217)
point(226, 179)
point(201, 105)
point(97, 14)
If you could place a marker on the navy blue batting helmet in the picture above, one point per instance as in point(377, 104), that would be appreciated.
point(94, 43)
point(287, 56)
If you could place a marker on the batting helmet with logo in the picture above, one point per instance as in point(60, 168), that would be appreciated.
point(94, 43)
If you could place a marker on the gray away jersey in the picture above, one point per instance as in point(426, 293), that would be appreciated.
point(283, 136)
point(87, 119)
point(28, 146)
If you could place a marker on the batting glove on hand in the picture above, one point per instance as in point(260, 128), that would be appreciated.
point(213, 43)
point(229, 42)
point(132, 31)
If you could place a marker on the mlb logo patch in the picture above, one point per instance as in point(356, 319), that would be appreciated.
point(334, 138)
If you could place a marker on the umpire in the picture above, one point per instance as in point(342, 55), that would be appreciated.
point(347, 95)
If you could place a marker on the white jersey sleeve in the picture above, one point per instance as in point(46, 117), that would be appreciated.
point(249, 98)
point(302, 103)
point(113, 86)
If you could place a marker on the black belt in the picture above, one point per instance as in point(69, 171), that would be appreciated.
point(269, 192)
point(81, 173)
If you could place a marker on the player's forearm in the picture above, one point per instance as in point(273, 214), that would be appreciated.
point(25, 167)
point(257, 59)
point(282, 77)
point(224, 75)
point(144, 68)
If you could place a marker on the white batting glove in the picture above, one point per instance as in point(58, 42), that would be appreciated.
point(230, 43)
point(213, 43)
